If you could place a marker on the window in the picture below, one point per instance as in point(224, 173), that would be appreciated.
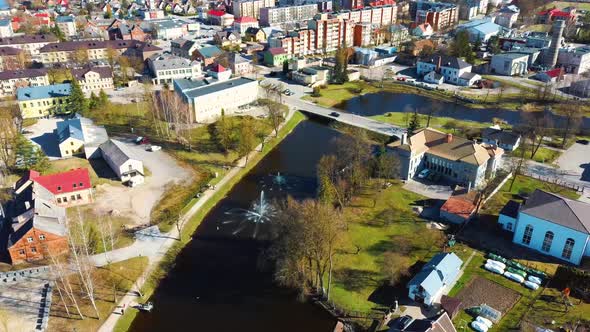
point(568, 248)
point(78, 196)
point(81, 184)
point(71, 143)
point(547, 241)
point(73, 198)
point(74, 185)
point(509, 226)
point(58, 188)
point(65, 199)
point(42, 237)
point(528, 234)
point(33, 249)
point(29, 239)
point(21, 252)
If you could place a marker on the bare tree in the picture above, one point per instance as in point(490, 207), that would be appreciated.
point(395, 266)
point(61, 276)
point(573, 114)
point(537, 124)
point(275, 113)
point(9, 131)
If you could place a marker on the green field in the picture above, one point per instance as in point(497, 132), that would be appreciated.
point(543, 155)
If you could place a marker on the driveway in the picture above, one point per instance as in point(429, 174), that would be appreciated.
point(136, 203)
point(575, 161)
point(429, 189)
point(41, 133)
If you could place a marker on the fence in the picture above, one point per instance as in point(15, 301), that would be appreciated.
point(44, 308)
point(554, 180)
point(20, 275)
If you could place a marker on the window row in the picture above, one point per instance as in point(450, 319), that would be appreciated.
point(568, 247)
point(41, 237)
point(65, 198)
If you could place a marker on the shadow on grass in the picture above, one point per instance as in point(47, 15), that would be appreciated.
point(356, 280)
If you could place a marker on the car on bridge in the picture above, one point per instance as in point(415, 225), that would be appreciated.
point(335, 114)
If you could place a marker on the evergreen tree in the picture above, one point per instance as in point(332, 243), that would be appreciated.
point(77, 100)
point(285, 67)
point(58, 33)
point(414, 123)
point(103, 98)
point(461, 47)
point(93, 101)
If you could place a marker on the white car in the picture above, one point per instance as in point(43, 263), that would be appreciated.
point(153, 148)
point(479, 326)
point(494, 268)
point(484, 321)
point(423, 173)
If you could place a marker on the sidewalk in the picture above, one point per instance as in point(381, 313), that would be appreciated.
point(156, 248)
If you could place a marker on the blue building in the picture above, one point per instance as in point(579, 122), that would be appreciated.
point(436, 276)
point(482, 29)
point(550, 224)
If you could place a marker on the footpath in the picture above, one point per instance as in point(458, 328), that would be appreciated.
point(155, 249)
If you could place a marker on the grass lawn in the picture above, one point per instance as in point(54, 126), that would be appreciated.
point(538, 27)
point(122, 238)
point(563, 4)
point(121, 275)
point(441, 123)
point(549, 308)
point(335, 94)
point(378, 222)
point(189, 228)
point(543, 155)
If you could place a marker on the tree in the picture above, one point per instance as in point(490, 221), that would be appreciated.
point(395, 267)
point(460, 47)
point(275, 113)
point(80, 56)
point(77, 101)
point(223, 132)
point(29, 156)
point(340, 74)
point(494, 45)
point(573, 115)
point(285, 67)
point(112, 55)
point(435, 108)
point(414, 123)
point(9, 134)
point(59, 75)
point(536, 125)
point(58, 33)
point(386, 165)
point(451, 124)
point(246, 138)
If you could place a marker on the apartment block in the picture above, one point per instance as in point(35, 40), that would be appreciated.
point(377, 15)
point(96, 50)
point(250, 7)
point(300, 42)
point(276, 15)
point(439, 15)
point(31, 44)
point(331, 32)
point(11, 80)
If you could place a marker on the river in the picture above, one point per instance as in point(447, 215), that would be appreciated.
point(215, 284)
point(384, 102)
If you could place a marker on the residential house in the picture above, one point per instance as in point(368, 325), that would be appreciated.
point(552, 225)
point(398, 34)
point(219, 72)
point(468, 10)
point(362, 34)
point(227, 38)
point(127, 167)
point(37, 228)
point(275, 56)
point(461, 207)
point(166, 29)
point(506, 139)
point(252, 48)
point(255, 35)
point(507, 16)
point(440, 15)
point(452, 69)
point(96, 50)
point(167, 67)
point(550, 15)
point(550, 76)
point(242, 24)
point(94, 79)
point(183, 48)
point(423, 30)
point(11, 80)
point(67, 24)
point(128, 32)
point(436, 278)
point(509, 64)
point(41, 101)
point(31, 44)
point(221, 18)
point(207, 54)
point(300, 42)
point(574, 60)
point(239, 65)
point(6, 28)
point(64, 189)
point(206, 98)
point(11, 58)
point(480, 30)
point(70, 137)
point(372, 57)
point(439, 323)
point(457, 160)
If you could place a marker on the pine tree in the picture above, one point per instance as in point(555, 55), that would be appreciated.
point(414, 123)
point(93, 101)
point(103, 98)
point(77, 100)
point(58, 33)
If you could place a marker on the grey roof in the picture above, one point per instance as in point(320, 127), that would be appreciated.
point(440, 270)
point(28, 39)
point(42, 214)
point(103, 72)
point(237, 58)
point(510, 209)
point(558, 210)
point(117, 152)
point(503, 136)
point(468, 76)
point(64, 19)
point(512, 56)
point(446, 61)
point(201, 90)
point(8, 51)
point(169, 61)
point(22, 73)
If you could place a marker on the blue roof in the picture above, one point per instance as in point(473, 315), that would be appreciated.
point(64, 19)
point(440, 271)
point(69, 128)
point(484, 26)
point(210, 51)
point(43, 92)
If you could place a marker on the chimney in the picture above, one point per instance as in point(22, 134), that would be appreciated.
point(449, 138)
point(438, 64)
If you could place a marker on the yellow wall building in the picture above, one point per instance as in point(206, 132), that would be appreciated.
point(41, 101)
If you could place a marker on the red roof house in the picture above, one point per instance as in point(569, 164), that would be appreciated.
point(64, 189)
point(551, 76)
point(460, 207)
point(548, 16)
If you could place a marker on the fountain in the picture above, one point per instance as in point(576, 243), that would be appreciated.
point(261, 212)
point(279, 180)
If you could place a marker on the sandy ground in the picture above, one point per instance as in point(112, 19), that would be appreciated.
point(136, 203)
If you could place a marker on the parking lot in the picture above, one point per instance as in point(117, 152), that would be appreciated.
point(429, 189)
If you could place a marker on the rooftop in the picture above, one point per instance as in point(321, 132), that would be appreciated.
point(103, 72)
point(28, 39)
point(558, 210)
point(64, 19)
point(43, 92)
point(446, 61)
point(169, 61)
point(22, 73)
point(195, 89)
point(69, 128)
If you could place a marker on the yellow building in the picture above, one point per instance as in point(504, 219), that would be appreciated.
point(41, 101)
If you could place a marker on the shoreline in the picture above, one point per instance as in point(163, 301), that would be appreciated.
point(161, 265)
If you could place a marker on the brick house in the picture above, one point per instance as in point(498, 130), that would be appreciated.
point(71, 188)
point(38, 227)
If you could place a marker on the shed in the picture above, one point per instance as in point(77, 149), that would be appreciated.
point(121, 160)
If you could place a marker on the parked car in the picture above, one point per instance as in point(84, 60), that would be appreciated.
point(140, 140)
point(335, 114)
point(583, 141)
point(403, 322)
point(153, 148)
point(424, 173)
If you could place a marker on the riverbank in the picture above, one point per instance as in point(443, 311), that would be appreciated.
point(195, 214)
